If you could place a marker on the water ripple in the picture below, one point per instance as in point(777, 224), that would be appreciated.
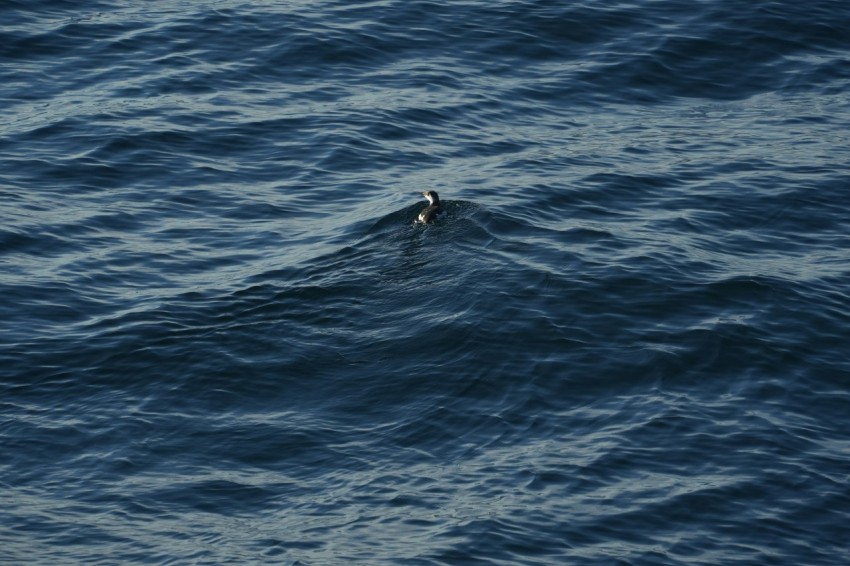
point(224, 339)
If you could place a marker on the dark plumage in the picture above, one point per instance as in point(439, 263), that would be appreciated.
point(433, 208)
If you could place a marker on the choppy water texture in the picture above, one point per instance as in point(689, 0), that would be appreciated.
point(223, 340)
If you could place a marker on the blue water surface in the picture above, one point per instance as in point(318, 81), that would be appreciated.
point(224, 340)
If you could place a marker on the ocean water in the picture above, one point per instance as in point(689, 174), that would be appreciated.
point(223, 339)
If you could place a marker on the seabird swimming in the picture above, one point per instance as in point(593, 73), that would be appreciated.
point(430, 212)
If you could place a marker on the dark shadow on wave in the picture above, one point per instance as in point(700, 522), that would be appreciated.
point(404, 220)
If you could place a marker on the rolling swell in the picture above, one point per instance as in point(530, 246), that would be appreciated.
point(224, 340)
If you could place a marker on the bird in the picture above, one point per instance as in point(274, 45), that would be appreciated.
point(430, 212)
